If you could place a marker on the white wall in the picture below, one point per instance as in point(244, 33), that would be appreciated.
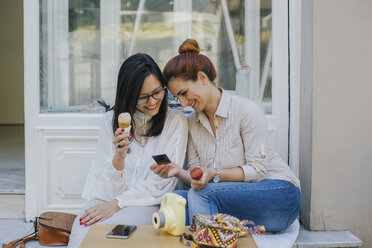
point(305, 133)
point(11, 62)
point(341, 152)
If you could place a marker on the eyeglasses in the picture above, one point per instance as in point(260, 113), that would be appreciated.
point(157, 95)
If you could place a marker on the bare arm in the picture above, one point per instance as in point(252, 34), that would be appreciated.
point(226, 175)
point(172, 170)
point(232, 175)
point(121, 143)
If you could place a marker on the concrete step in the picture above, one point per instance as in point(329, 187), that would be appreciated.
point(329, 239)
point(12, 204)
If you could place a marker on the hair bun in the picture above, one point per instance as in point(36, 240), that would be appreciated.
point(190, 46)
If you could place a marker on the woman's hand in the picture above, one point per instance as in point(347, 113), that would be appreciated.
point(121, 143)
point(165, 170)
point(99, 212)
point(208, 175)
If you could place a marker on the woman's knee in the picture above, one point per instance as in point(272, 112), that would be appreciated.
point(205, 192)
point(78, 233)
point(281, 218)
point(138, 215)
point(196, 197)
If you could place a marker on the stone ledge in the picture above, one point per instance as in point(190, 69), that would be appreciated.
point(12, 191)
point(12, 206)
point(329, 239)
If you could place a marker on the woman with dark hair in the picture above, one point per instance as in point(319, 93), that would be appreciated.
point(120, 186)
point(228, 139)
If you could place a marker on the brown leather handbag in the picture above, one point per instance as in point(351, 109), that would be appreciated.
point(51, 229)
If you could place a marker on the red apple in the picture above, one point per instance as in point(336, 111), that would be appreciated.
point(196, 173)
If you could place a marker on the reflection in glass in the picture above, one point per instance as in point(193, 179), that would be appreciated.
point(154, 33)
point(83, 43)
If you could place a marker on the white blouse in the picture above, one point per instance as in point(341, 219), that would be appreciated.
point(136, 185)
point(241, 141)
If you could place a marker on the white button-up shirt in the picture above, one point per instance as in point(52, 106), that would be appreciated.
point(241, 140)
point(136, 185)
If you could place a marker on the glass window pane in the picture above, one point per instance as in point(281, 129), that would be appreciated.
point(153, 33)
point(83, 43)
point(69, 54)
point(84, 58)
point(265, 97)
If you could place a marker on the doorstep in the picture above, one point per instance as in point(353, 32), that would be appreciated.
point(329, 239)
point(12, 204)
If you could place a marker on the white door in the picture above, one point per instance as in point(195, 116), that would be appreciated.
point(73, 50)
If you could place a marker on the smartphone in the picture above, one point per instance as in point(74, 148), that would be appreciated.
point(161, 159)
point(121, 231)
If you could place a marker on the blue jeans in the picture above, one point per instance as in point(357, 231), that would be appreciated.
point(272, 203)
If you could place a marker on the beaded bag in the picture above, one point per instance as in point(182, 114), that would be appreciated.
point(218, 230)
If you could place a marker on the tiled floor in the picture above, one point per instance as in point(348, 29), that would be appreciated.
point(12, 157)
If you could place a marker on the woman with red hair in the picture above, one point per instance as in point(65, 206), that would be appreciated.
point(228, 139)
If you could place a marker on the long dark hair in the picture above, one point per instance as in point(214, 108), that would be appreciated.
point(132, 74)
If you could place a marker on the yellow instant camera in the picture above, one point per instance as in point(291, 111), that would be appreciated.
point(171, 216)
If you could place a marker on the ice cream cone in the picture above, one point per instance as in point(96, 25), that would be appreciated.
point(124, 121)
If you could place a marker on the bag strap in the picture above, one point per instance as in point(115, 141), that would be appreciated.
point(25, 239)
point(187, 240)
point(255, 230)
point(251, 228)
point(247, 223)
point(28, 239)
point(247, 227)
point(22, 241)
